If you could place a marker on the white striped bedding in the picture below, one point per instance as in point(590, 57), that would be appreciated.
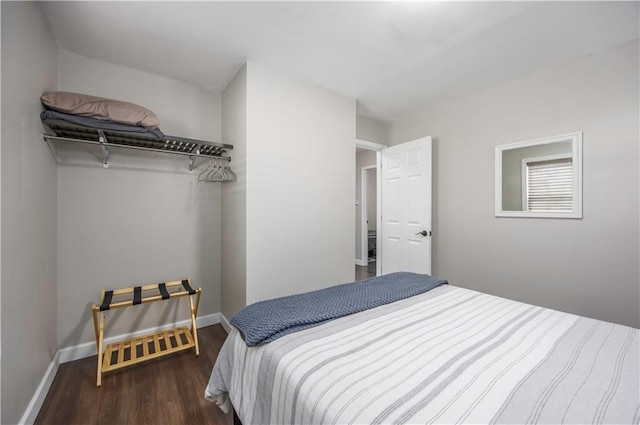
point(450, 355)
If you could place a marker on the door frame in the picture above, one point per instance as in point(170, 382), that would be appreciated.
point(377, 147)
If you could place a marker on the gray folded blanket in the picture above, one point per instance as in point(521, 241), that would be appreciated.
point(266, 321)
point(102, 124)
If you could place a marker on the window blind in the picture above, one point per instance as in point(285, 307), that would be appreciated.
point(550, 185)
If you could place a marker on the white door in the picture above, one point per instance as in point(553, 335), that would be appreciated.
point(405, 233)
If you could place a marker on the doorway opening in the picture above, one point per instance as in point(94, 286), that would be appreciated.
point(367, 208)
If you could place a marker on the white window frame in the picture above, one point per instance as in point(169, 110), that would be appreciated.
point(576, 153)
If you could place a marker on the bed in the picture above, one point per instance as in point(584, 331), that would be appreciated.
point(447, 355)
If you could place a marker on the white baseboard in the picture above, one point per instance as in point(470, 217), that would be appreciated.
point(225, 323)
point(89, 349)
point(33, 408)
point(360, 262)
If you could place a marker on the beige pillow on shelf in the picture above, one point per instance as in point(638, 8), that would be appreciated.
point(100, 108)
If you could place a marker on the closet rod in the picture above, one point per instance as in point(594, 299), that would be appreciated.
point(48, 137)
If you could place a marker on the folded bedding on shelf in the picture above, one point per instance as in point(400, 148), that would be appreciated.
point(102, 124)
point(100, 108)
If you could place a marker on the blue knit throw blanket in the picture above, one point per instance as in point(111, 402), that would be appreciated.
point(266, 321)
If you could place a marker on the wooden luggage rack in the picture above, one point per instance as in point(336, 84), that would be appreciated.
point(135, 350)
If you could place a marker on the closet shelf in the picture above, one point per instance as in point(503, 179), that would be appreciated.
point(62, 131)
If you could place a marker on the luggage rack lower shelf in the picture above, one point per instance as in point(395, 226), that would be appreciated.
point(139, 349)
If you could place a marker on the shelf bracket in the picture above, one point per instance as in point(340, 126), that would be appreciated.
point(51, 148)
point(105, 150)
point(192, 158)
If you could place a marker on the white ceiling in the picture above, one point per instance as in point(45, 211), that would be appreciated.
point(390, 56)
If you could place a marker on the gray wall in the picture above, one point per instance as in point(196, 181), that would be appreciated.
point(119, 228)
point(588, 266)
point(300, 185)
point(286, 223)
point(234, 198)
point(142, 220)
point(372, 130)
point(29, 310)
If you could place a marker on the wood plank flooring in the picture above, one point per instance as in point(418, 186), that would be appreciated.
point(365, 272)
point(169, 390)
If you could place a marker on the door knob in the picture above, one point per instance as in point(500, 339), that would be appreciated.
point(424, 233)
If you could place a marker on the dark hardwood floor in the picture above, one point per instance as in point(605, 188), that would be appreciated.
point(169, 390)
point(365, 272)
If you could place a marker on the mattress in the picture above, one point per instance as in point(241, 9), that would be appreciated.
point(450, 355)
